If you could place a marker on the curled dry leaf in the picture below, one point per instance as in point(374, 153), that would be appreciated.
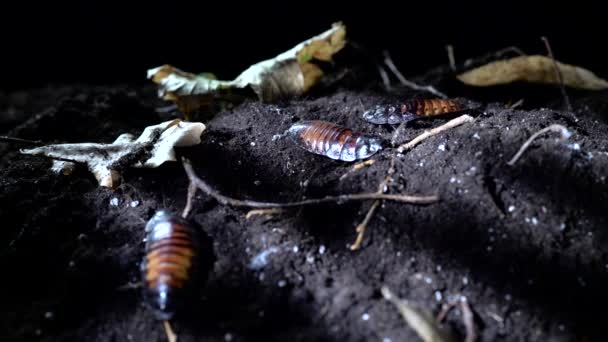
point(152, 148)
point(290, 73)
point(420, 320)
point(533, 69)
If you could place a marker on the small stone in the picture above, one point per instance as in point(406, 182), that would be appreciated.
point(134, 204)
point(228, 337)
point(365, 317)
point(49, 315)
point(281, 283)
point(322, 249)
point(441, 147)
point(114, 201)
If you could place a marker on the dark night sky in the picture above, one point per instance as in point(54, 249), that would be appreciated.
point(108, 42)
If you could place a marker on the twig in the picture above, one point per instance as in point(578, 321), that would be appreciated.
point(558, 72)
point(517, 104)
point(510, 48)
point(362, 227)
point(225, 200)
point(450, 50)
point(267, 212)
point(468, 320)
point(171, 336)
point(358, 167)
point(4, 138)
point(389, 63)
point(385, 80)
point(448, 125)
point(189, 199)
point(565, 134)
point(445, 310)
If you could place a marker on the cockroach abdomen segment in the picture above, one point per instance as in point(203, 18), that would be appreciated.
point(333, 141)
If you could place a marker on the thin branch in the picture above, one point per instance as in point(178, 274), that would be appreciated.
point(357, 167)
point(189, 199)
point(517, 104)
point(268, 212)
point(7, 139)
point(558, 72)
point(468, 320)
point(225, 200)
point(565, 134)
point(450, 50)
point(385, 80)
point(389, 63)
point(448, 125)
point(171, 336)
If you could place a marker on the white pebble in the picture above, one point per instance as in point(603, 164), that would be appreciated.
point(114, 201)
point(281, 283)
point(296, 249)
point(441, 147)
point(134, 204)
point(365, 317)
point(428, 280)
point(575, 146)
point(228, 337)
point(489, 248)
point(476, 136)
point(438, 268)
point(561, 327)
point(310, 259)
point(438, 296)
point(276, 137)
point(252, 143)
point(386, 339)
point(257, 182)
point(534, 221)
point(453, 179)
point(322, 249)
point(48, 315)
point(465, 281)
point(508, 297)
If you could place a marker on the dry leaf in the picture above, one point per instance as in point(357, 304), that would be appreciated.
point(420, 320)
point(153, 147)
point(533, 69)
point(290, 73)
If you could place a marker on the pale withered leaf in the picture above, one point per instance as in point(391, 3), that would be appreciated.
point(533, 69)
point(420, 320)
point(152, 148)
point(291, 73)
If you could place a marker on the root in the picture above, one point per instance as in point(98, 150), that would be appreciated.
point(565, 134)
point(407, 83)
point(448, 125)
point(267, 212)
point(171, 336)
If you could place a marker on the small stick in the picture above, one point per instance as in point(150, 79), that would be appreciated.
point(558, 72)
point(448, 125)
point(7, 139)
point(360, 229)
point(385, 80)
point(225, 200)
point(469, 320)
point(445, 310)
point(517, 104)
point(565, 134)
point(450, 50)
point(171, 336)
point(189, 199)
point(389, 63)
point(267, 212)
point(358, 167)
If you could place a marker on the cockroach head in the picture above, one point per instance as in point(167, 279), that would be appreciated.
point(159, 216)
point(382, 114)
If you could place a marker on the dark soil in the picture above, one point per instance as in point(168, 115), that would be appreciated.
point(526, 245)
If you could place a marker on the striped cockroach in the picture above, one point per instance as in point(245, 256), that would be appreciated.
point(170, 268)
point(412, 109)
point(333, 141)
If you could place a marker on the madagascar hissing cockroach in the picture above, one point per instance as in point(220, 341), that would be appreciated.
point(410, 110)
point(333, 141)
point(170, 268)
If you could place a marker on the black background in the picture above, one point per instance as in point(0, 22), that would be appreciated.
point(114, 42)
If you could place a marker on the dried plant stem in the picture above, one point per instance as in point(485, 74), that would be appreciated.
point(267, 212)
point(405, 82)
point(450, 49)
point(385, 80)
point(358, 167)
point(7, 139)
point(553, 128)
point(189, 199)
point(225, 200)
point(448, 125)
point(171, 336)
point(468, 320)
point(558, 73)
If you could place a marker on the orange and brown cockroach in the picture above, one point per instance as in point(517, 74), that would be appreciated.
point(411, 110)
point(170, 268)
point(333, 141)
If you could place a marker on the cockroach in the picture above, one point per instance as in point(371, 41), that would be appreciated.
point(170, 268)
point(333, 141)
point(411, 110)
